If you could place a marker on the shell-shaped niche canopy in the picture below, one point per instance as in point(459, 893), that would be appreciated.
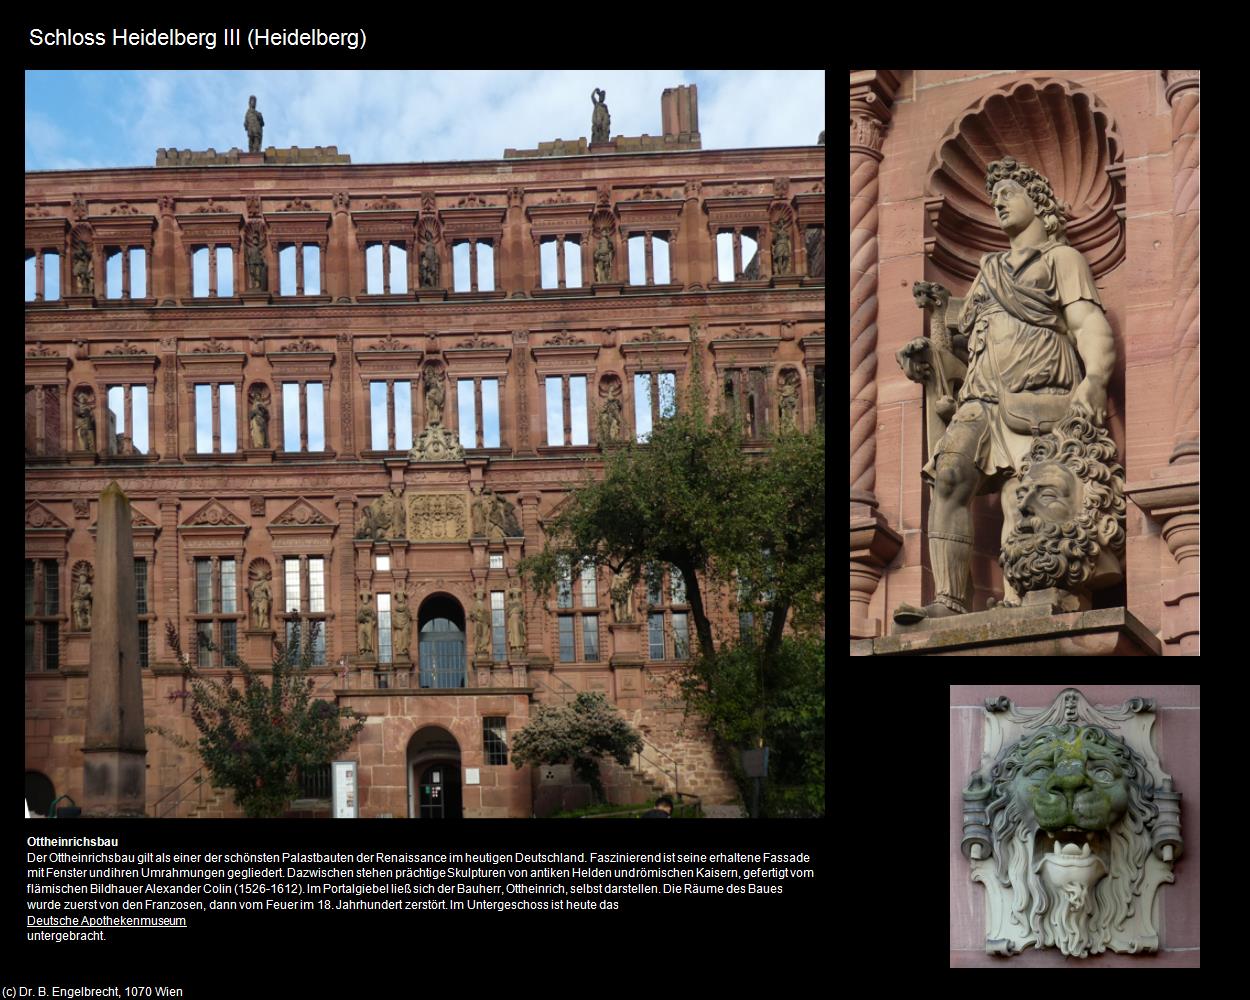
point(1060, 129)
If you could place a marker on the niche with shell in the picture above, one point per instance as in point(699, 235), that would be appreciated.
point(1055, 126)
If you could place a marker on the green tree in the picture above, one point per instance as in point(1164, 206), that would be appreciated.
point(254, 739)
point(579, 733)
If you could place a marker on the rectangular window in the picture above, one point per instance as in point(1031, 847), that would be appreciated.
point(497, 627)
point(677, 586)
point(495, 739)
point(555, 411)
point(203, 587)
point(141, 586)
point(490, 413)
point(589, 595)
point(382, 563)
point(655, 585)
point(203, 419)
point(30, 587)
point(315, 394)
point(590, 638)
point(204, 631)
point(384, 628)
point(290, 416)
point(464, 410)
point(580, 431)
point(655, 635)
point(144, 661)
point(51, 588)
point(681, 636)
point(229, 639)
point(319, 643)
point(668, 394)
point(316, 584)
point(229, 597)
point(51, 646)
point(377, 416)
point(566, 639)
point(291, 589)
point(229, 431)
point(496, 560)
point(642, 406)
point(564, 585)
point(403, 415)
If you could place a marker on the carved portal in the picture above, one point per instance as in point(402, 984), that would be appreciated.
point(1071, 824)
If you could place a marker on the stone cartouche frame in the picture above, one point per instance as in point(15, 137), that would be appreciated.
point(1071, 824)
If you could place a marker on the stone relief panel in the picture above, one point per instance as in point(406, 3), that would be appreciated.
point(438, 517)
point(1071, 824)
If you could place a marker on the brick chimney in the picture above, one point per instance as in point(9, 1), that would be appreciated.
point(679, 112)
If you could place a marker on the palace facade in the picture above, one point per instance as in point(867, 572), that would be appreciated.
point(352, 394)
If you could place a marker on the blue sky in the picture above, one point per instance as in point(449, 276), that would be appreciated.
point(100, 119)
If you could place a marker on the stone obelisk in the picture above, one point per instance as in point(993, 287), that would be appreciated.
point(114, 782)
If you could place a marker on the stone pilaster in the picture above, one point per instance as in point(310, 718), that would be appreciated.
point(1171, 500)
point(1183, 93)
point(872, 95)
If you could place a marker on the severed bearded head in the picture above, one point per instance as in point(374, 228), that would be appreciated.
point(1071, 509)
point(1067, 805)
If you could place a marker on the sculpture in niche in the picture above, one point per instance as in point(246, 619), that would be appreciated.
point(253, 125)
point(788, 399)
point(1071, 825)
point(430, 266)
point(604, 254)
point(1038, 349)
point(782, 248)
point(254, 257)
point(84, 420)
point(435, 397)
point(80, 601)
point(610, 415)
point(600, 121)
point(82, 269)
point(365, 617)
point(260, 594)
point(401, 624)
point(516, 621)
point(258, 417)
point(622, 598)
point(481, 623)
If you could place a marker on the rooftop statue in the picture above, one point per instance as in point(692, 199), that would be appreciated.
point(600, 121)
point(253, 124)
point(1029, 354)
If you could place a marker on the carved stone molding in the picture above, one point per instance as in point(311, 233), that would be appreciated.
point(1055, 126)
point(1071, 824)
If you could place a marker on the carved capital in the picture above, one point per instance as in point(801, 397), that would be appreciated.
point(1178, 80)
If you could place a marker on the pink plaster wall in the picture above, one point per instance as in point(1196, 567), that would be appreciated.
point(1177, 738)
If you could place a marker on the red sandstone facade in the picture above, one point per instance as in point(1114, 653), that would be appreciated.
point(169, 371)
point(1122, 148)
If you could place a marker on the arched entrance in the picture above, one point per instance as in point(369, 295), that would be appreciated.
point(433, 761)
point(441, 652)
point(39, 792)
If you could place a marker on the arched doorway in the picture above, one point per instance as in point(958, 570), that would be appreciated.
point(441, 652)
point(39, 792)
point(434, 775)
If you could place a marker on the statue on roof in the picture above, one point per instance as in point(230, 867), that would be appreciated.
point(254, 124)
point(600, 121)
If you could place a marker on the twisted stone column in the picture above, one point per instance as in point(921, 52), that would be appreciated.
point(873, 543)
point(1183, 93)
point(869, 117)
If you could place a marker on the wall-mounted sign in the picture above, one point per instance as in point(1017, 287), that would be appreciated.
point(343, 774)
